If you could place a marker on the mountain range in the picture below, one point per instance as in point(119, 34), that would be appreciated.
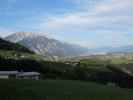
point(46, 46)
point(54, 49)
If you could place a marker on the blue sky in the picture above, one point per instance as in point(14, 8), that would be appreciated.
point(90, 23)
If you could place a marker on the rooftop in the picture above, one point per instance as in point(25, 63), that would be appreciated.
point(19, 73)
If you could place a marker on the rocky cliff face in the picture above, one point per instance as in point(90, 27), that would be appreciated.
point(45, 46)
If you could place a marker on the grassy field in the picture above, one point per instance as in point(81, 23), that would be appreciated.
point(60, 90)
point(111, 59)
point(18, 55)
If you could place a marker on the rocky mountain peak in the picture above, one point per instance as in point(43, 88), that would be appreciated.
point(48, 47)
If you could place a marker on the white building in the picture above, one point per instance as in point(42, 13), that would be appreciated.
point(19, 75)
point(28, 75)
point(8, 74)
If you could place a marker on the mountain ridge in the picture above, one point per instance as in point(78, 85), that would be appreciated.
point(48, 47)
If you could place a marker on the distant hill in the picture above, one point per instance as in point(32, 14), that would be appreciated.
point(46, 46)
point(6, 45)
point(121, 49)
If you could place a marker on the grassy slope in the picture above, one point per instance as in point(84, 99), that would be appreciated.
point(60, 90)
point(112, 59)
point(11, 54)
point(101, 62)
point(6, 45)
point(16, 51)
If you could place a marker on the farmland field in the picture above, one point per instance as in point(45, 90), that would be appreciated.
point(60, 90)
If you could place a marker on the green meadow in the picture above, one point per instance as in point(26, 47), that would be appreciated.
point(60, 90)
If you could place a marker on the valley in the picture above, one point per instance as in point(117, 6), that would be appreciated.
point(49, 48)
point(66, 50)
point(109, 72)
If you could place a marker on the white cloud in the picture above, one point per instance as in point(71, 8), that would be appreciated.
point(105, 15)
point(114, 15)
point(113, 6)
point(86, 23)
point(92, 17)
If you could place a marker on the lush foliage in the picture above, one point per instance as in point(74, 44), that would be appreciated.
point(91, 70)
